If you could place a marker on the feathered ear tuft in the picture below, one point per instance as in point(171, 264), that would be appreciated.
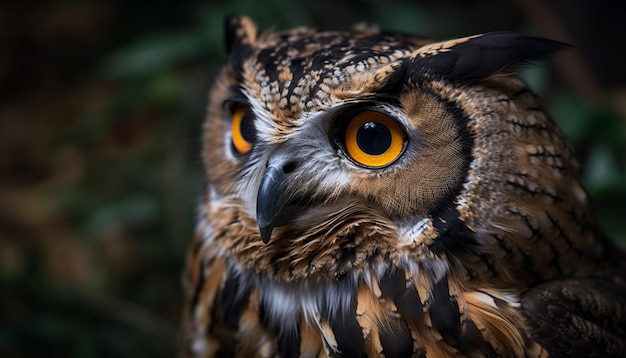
point(241, 34)
point(481, 55)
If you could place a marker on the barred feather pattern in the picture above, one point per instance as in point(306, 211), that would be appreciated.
point(476, 241)
point(384, 311)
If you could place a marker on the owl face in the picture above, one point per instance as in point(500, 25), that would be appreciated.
point(358, 152)
point(330, 152)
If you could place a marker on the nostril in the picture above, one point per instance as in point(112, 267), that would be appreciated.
point(289, 167)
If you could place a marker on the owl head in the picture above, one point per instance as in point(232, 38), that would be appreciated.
point(331, 152)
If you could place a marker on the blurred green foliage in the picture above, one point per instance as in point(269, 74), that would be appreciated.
point(101, 115)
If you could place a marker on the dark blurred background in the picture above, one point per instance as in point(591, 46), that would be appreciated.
point(101, 104)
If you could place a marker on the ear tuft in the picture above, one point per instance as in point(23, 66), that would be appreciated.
point(482, 55)
point(241, 33)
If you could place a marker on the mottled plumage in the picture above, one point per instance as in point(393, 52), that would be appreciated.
point(376, 194)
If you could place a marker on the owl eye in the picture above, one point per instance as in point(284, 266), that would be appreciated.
point(373, 139)
point(243, 130)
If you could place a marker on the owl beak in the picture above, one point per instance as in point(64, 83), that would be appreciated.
point(271, 201)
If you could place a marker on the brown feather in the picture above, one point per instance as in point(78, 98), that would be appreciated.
point(476, 240)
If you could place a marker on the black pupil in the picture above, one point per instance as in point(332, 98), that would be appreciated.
point(373, 138)
point(248, 132)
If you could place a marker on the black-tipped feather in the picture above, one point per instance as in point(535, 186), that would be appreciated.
point(238, 41)
point(486, 54)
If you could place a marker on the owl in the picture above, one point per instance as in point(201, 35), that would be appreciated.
point(376, 194)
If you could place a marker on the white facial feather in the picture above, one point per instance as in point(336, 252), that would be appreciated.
point(319, 164)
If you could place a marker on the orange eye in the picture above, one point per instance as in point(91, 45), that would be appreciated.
point(373, 139)
point(243, 131)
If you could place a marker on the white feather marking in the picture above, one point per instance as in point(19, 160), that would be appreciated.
point(484, 298)
point(204, 227)
point(488, 297)
point(511, 298)
point(408, 261)
point(228, 151)
point(410, 231)
point(437, 268)
point(263, 123)
point(285, 302)
point(198, 346)
point(215, 197)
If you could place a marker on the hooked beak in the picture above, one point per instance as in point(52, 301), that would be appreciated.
point(272, 200)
